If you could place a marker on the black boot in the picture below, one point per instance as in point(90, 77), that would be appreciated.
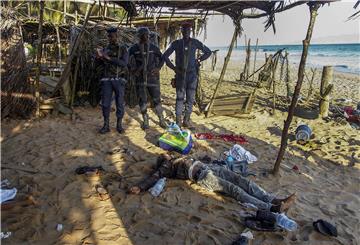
point(186, 121)
point(178, 120)
point(106, 128)
point(162, 121)
point(119, 127)
point(145, 124)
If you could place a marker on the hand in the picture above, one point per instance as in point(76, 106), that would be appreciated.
point(155, 71)
point(173, 83)
point(99, 53)
point(177, 70)
point(105, 56)
point(135, 190)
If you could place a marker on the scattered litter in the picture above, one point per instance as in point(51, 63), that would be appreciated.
point(248, 235)
point(158, 187)
point(5, 183)
point(4, 235)
point(303, 133)
point(225, 137)
point(325, 228)
point(240, 154)
point(88, 170)
point(102, 192)
point(59, 227)
point(7, 194)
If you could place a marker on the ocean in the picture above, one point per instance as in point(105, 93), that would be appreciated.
point(344, 57)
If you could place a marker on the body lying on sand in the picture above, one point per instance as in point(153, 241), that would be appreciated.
point(215, 178)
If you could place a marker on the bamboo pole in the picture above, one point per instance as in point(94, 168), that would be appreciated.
point(38, 59)
point(325, 90)
point(313, 7)
point(66, 72)
point(222, 74)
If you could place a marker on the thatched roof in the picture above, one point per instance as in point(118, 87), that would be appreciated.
point(234, 9)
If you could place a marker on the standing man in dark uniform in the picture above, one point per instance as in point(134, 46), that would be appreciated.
point(146, 62)
point(186, 75)
point(115, 60)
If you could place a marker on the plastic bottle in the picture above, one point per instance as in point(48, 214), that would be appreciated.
point(284, 222)
point(158, 187)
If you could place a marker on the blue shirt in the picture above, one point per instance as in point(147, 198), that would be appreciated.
point(181, 47)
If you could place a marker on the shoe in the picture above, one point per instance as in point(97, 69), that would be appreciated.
point(119, 127)
point(145, 124)
point(178, 121)
point(106, 128)
point(186, 121)
point(162, 121)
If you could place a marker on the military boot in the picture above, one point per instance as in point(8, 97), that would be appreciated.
point(186, 121)
point(119, 127)
point(106, 128)
point(162, 121)
point(178, 120)
point(145, 124)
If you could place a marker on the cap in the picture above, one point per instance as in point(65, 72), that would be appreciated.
point(143, 30)
point(111, 30)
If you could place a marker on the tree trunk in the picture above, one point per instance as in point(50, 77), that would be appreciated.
point(311, 85)
point(313, 7)
point(38, 59)
point(325, 90)
point(256, 49)
point(222, 74)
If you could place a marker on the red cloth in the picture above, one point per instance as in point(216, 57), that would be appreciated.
point(225, 137)
point(350, 115)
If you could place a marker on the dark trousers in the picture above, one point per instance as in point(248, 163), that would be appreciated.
point(185, 93)
point(153, 88)
point(108, 86)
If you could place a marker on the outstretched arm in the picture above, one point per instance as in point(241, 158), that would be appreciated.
point(145, 184)
point(159, 55)
point(167, 54)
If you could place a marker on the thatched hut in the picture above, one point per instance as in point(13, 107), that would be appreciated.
point(16, 90)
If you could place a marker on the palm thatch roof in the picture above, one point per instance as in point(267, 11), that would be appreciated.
point(234, 9)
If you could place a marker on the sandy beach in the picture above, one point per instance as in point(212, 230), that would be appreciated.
point(52, 148)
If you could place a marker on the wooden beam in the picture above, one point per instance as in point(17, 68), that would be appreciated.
point(38, 59)
point(313, 7)
point(67, 69)
point(227, 59)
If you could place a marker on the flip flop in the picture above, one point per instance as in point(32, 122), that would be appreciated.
point(102, 192)
point(325, 228)
point(87, 169)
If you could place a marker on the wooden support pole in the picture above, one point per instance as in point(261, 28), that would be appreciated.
point(313, 7)
point(325, 90)
point(287, 78)
point(311, 82)
point(222, 74)
point(66, 72)
point(64, 14)
point(256, 50)
point(73, 89)
point(38, 59)
point(273, 79)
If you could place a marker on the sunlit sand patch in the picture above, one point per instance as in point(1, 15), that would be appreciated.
point(80, 153)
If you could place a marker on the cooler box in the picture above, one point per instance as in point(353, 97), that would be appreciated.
point(176, 142)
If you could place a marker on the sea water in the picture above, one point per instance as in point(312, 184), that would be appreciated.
point(344, 57)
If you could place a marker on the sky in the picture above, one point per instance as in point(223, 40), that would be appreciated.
point(331, 27)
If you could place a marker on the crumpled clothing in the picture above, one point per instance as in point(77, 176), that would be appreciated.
point(240, 154)
point(7, 194)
